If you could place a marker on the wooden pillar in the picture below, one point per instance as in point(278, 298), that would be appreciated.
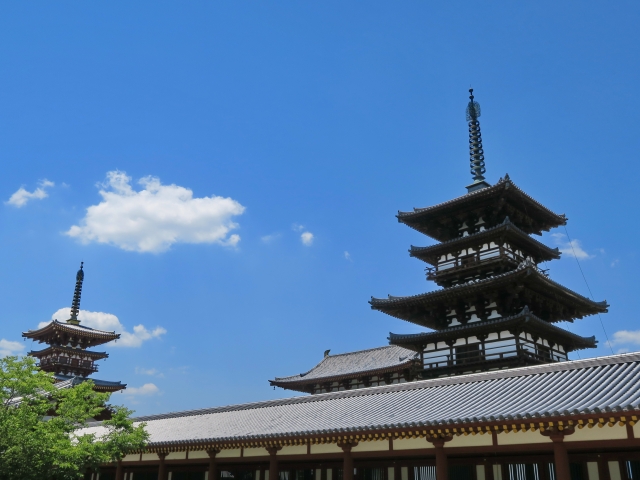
point(213, 466)
point(273, 463)
point(119, 472)
point(347, 465)
point(560, 456)
point(442, 465)
point(162, 468)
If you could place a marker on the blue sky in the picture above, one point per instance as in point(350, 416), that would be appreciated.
point(264, 149)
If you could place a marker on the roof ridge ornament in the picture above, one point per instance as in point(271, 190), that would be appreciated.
point(476, 153)
point(77, 293)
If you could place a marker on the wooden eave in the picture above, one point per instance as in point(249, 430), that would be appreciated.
point(503, 199)
point(523, 322)
point(73, 351)
point(506, 231)
point(299, 385)
point(428, 309)
point(55, 331)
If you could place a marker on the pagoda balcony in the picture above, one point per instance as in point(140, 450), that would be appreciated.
point(491, 355)
point(62, 363)
point(477, 265)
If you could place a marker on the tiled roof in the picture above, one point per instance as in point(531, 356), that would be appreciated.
point(503, 183)
point(348, 364)
point(488, 234)
point(528, 321)
point(526, 270)
point(73, 351)
point(70, 328)
point(98, 383)
point(605, 384)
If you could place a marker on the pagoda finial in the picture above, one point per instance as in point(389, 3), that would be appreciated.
point(75, 305)
point(476, 153)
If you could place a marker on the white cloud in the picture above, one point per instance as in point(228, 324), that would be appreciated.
point(149, 371)
point(307, 238)
point(347, 256)
point(9, 348)
point(21, 196)
point(626, 336)
point(297, 228)
point(572, 248)
point(156, 217)
point(615, 262)
point(146, 389)
point(109, 322)
point(270, 238)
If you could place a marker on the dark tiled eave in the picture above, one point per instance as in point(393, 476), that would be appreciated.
point(73, 351)
point(526, 320)
point(524, 271)
point(426, 253)
point(300, 381)
point(73, 330)
point(471, 200)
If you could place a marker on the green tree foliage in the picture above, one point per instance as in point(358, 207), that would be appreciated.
point(40, 436)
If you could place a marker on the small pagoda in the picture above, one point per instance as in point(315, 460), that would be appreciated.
point(497, 308)
point(67, 356)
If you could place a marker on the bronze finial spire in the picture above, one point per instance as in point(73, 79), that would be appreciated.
point(75, 305)
point(476, 154)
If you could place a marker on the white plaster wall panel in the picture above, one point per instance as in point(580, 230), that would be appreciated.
point(293, 450)
point(497, 472)
point(149, 456)
point(592, 471)
point(517, 438)
point(255, 452)
point(378, 446)
point(133, 457)
point(480, 472)
point(614, 470)
point(470, 441)
point(325, 448)
point(229, 453)
point(198, 454)
point(176, 456)
point(596, 433)
point(411, 443)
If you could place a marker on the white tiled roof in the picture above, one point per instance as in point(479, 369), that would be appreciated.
point(598, 385)
point(355, 362)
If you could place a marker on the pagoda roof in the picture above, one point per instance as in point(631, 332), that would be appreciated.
point(69, 350)
point(101, 385)
point(524, 320)
point(412, 308)
point(91, 336)
point(431, 220)
point(603, 386)
point(332, 368)
point(517, 236)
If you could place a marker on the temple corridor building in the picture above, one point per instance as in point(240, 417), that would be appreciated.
point(485, 392)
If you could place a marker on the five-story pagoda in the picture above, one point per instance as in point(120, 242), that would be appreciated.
point(497, 308)
point(67, 355)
